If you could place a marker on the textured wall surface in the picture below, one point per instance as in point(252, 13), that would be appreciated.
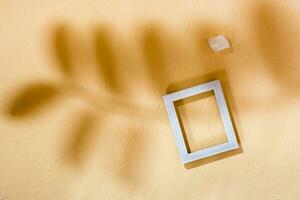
point(81, 114)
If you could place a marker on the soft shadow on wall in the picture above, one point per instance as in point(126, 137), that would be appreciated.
point(277, 39)
point(67, 51)
point(107, 66)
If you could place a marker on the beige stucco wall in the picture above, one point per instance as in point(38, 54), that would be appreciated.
point(81, 110)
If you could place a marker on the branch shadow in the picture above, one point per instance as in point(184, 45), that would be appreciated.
point(107, 66)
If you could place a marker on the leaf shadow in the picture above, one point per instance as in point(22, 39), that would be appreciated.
point(134, 148)
point(152, 48)
point(61, 45)
point(107, 66)
point(82, 136)
point(32, 98)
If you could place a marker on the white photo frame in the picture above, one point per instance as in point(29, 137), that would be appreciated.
point(169, 100)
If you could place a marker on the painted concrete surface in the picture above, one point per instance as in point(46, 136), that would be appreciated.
point(81, 113)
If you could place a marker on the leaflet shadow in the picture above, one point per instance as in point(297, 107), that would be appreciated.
point(32, 98)
point(131, 166)
point(154, 56)
point(81, 139)
point(106, 57)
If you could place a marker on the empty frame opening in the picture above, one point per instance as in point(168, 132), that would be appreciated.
point(200, 121)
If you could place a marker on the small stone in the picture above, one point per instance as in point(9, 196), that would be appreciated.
point(219, 43)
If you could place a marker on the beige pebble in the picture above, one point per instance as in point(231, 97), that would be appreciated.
point(219, 43)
